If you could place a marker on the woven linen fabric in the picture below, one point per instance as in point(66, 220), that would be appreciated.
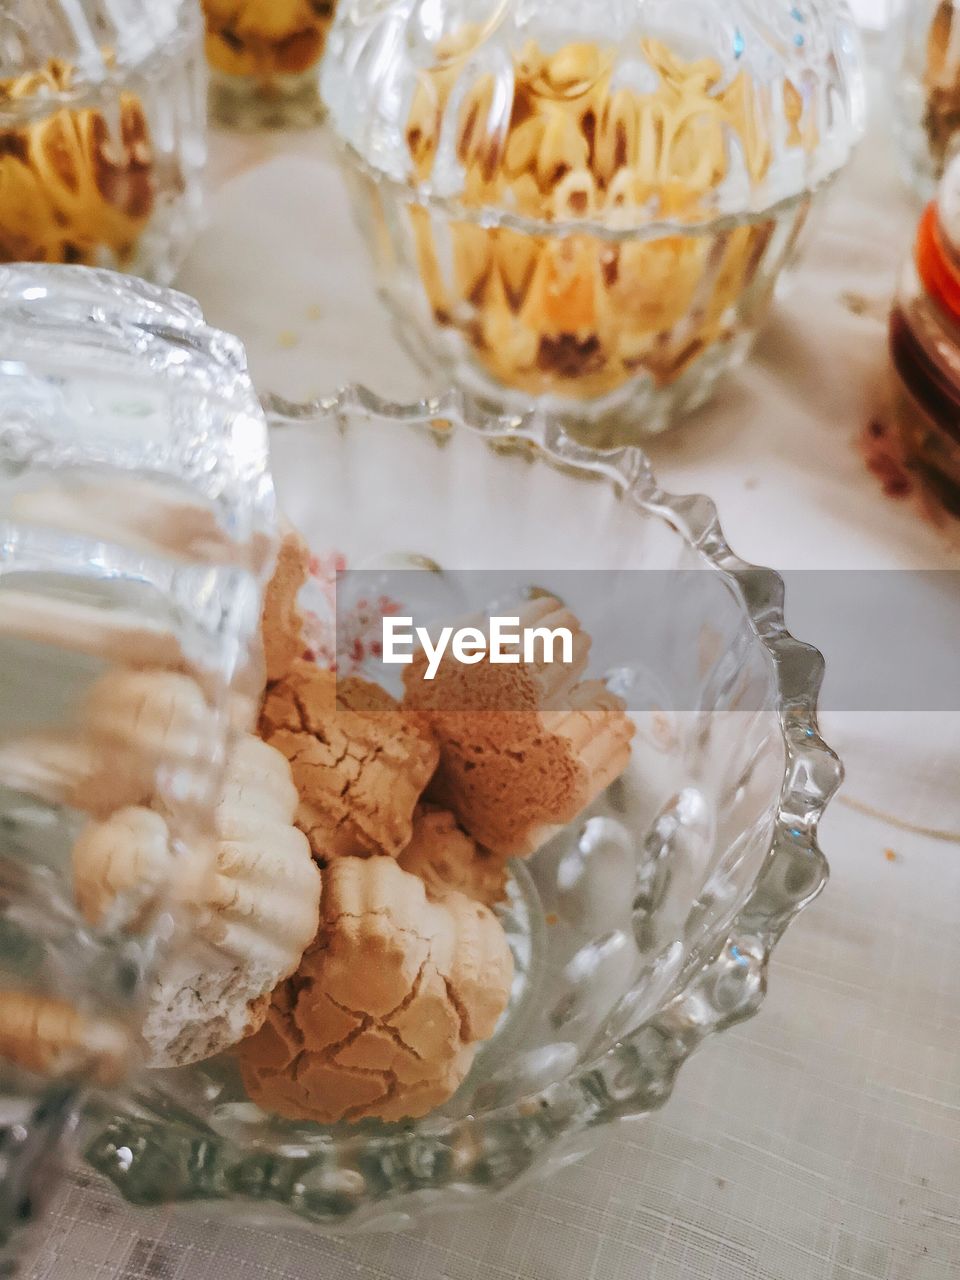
point(820, 1141)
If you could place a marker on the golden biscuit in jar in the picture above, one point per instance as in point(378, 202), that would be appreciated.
point(549, 309)
point(266, 38)
point(73, 187)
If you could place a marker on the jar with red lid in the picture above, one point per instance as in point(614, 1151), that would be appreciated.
point(925, 346)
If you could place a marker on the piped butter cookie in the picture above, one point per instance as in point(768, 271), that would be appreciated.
point(249, 919)
point(447, 860)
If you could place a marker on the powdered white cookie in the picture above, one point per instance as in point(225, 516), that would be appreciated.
point(252, 917)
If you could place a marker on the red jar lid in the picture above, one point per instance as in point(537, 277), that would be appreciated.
point(937, 263)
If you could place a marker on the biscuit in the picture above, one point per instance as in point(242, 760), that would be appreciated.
point(360, 762)
point(266, 38)
point(133, 731)
point(581, 317)
point(50, 1037)
point(383, 1016)
point(71, 183)
point(446, 860)
point(514, 780)
point(282, 621)
point(523, 748)
point(251, 908)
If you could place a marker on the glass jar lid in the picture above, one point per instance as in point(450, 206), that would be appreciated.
point(620, 112)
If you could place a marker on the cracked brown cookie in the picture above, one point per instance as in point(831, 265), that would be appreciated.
point(447, 860)
point(281, 625)
point(384, 1014)
point(359, 761)
point(523, 748)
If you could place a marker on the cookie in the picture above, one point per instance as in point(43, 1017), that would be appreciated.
point(250, 910)
point(524, 748)
point(446, 859)
point(360, 762)
point(383, 1017)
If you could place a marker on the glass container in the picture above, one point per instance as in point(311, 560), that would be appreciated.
point(102, 133)
point(135, 529)
point(637, 932)
point(264, 58)
point(589, 205)
point(925, 348)
point(926, 37)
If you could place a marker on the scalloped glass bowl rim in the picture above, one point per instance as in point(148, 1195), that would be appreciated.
point(679, 1025)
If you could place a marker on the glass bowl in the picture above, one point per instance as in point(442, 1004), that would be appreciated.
point(588, 205)
point(102, 133)
point(926, 38)
point(264, 60)
point(637, 932)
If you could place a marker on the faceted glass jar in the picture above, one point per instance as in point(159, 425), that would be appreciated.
point(264, 58)
point(102, 133)
point(926, 44)
point(136, 516)
point(924, 337)
point(641, 928)
point(589, 205)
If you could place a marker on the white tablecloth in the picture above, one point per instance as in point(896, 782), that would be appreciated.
point(822, 1139)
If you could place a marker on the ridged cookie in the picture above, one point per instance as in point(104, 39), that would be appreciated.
point(133, 729)
point(385, 1012)
point(446, 859)
point(50, 1037)
point(249, 920)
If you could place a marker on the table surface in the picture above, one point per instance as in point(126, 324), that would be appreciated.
point(822, 1139)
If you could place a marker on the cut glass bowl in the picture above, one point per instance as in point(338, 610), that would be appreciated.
point(103, 133)
point(590, 204)
point(641, 929)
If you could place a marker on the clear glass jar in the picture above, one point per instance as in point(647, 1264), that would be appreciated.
point(264, 58)
point(924, 338)
point(589, 205)
point(926, 37)
point(135, 530)
point(102, 134)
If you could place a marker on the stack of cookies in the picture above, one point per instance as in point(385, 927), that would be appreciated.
point(413, 810)
point(72, 185)
point(580, 314)
point(342, 931)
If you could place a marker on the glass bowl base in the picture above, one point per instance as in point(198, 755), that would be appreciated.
point(641, 407)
